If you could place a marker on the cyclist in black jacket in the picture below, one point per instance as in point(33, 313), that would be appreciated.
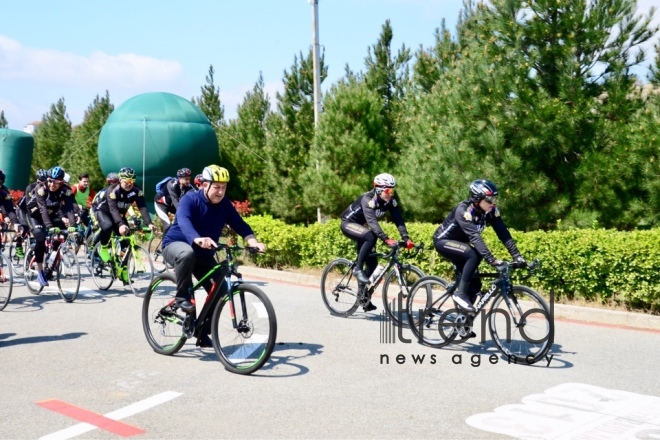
point(360, 223)
point(42, 177)
point(167, 201)
point(110, 210)
point(46, 209)
point(459, 239)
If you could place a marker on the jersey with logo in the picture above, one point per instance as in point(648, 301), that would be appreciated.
point(44, 204)
point(117, 200)
point(7, 204)
point(368, 208)
point(172, 192)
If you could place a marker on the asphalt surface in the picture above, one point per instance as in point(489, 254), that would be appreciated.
point(328, 377)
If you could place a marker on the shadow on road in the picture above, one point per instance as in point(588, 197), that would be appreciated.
point(36, 339)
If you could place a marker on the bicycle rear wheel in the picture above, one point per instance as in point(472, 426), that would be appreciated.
point(68, 275)
point(6, 281)
point(140, 270)
point(393, 289)
point(160, 265)
point(162, 324)
point(102, 272)
point(18, 262)
point(246, 348)
point(88, 249)
point(30, 271)
point(339, 288)
point(526, 330)
point(431, 312)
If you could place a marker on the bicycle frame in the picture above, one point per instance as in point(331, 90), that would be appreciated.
point(393, 262)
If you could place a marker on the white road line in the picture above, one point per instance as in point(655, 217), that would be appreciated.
point(119, 414)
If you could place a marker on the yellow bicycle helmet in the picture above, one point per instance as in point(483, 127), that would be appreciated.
point(214, 173)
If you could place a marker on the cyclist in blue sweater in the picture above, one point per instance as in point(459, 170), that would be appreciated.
point(190, 242)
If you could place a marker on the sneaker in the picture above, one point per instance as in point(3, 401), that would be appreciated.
point(185, 305)
point(104, 253)
point(463, 301)
point(42, 278)
point(204, 341)
point(360, 276)
point(19, 252)
point(369, 307)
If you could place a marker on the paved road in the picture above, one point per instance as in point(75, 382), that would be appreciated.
point(327, 378)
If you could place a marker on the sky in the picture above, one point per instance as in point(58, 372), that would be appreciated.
point(78, 49)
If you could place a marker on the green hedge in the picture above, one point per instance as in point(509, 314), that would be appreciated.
point(594, 264)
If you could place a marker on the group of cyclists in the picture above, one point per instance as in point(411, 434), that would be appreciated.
point(201, 211)
point(458, 238)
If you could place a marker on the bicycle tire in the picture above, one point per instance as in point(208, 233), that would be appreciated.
point(103, 273)
point(30, 271)
point(159, 263)
point(18, 263)
point(246, 349)
point(431, 312)
point(533, 337)
point(339, 288)
point(410, 274)
point(140, 270)
point(6, 281)
point(163, 326)
point(88, 249)
point(68, 275)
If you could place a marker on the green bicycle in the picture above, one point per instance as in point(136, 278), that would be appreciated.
point(242, 318)
point(129, 262)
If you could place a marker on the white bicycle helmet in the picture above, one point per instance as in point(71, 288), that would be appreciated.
point(384, 180)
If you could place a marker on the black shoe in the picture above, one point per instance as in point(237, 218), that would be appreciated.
point(369, 307)
point(185, 305)
point(360, 276)
point(463, 301)
point(204, 341)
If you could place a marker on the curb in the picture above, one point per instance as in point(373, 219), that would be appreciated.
point(583, 315)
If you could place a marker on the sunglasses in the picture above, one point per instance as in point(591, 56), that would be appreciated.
point(491, 199)
point(388, 191)
point(59, 182)
point(128, 181)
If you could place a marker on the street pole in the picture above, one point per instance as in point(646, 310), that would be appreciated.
point(317, 79)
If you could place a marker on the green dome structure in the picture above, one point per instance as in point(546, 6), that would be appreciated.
point(156, 134)
point(16, 150)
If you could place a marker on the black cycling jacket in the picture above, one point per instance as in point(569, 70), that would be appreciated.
point(44, 203)
point(467, 221)
point(173, 193)
point(116, 201)
point(7, 203)
point(368, 208)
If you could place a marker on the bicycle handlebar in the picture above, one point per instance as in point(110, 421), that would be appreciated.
point(401, 244)
point(236, 247)
point(532, 268)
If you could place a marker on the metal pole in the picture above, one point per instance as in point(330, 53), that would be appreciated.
point(144, 150)
point(317, 79)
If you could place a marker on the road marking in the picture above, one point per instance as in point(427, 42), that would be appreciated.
point(576, 411)
point(106, 422)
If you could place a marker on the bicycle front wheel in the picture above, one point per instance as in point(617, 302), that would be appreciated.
point(431, 312)
point(339, 288)
point(30, 272)
point(88, 249)
point(102, 272)
point(140, 270)
point(524, 328)
point(396, 289)
point(162, 323)
point(68, 276)
point(6, 281)
point(244, 329)
point(16, 260)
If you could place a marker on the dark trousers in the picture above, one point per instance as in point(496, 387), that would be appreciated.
point(39, 233)
point(107, 225)
point(466, 260)
point(365, 240)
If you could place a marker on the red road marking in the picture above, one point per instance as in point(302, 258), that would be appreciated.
point(90, 417)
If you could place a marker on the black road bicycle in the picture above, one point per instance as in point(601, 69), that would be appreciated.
point(520, 321)
point(342, 294)
point(242, 318)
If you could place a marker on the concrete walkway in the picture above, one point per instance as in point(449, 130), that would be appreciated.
point(585, 315)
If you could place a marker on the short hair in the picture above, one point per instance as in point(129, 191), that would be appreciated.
point(83, 176)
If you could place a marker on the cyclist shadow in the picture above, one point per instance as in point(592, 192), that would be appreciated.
point(280, 364)
point(487, 348)
point(36, 339)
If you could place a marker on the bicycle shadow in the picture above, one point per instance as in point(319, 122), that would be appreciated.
point(277, 366)
point(36, 339)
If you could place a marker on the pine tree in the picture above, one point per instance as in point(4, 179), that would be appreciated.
point(243, 141)
point(209, 101)
point(3, 120)
point(81, 153)
point(53, 134)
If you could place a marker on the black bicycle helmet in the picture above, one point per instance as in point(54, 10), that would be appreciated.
point(184, 172)
point(42, 175)
point(481, 189)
